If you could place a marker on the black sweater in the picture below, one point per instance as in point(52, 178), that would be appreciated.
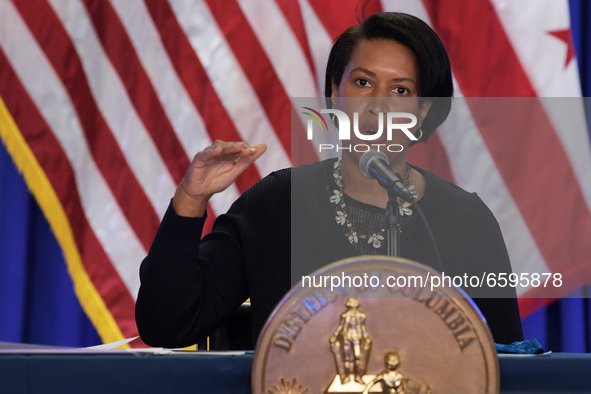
point(189, 287)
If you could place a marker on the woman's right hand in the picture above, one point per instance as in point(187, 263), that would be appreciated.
point(212, 171)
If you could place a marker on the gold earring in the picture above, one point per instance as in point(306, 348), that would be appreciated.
point(420, 134)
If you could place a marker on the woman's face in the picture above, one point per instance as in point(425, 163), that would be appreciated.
point(381, 77)
point(379, 68)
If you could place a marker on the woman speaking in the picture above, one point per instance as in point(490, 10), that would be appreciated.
point(326, 211)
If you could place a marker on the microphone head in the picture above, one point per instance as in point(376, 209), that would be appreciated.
point(367, 158)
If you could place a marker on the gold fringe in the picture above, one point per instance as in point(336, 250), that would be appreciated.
point(40, 187)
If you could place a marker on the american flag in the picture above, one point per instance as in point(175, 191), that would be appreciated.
point(105, 102)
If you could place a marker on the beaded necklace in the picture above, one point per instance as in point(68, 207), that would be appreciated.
point(376, 238)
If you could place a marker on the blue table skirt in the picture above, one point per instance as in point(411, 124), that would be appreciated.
point(130, 373)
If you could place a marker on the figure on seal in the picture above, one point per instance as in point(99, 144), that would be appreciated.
point(351, 344)
point(392, 380)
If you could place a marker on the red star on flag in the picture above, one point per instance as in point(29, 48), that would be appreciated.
point(565, 35)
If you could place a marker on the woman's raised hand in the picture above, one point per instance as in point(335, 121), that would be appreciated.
point(212, 171)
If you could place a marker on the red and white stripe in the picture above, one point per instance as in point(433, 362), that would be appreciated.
point(504, 49)
point(115, 97)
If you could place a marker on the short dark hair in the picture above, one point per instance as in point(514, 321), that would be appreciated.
point(435, 79)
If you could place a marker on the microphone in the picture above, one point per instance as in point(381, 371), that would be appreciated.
point(375, 165)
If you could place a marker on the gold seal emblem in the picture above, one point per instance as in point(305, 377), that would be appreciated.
point(375, 337)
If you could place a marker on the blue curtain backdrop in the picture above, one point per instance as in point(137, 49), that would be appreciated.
point(38, 304)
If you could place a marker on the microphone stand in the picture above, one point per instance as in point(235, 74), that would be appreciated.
point(392, 224)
